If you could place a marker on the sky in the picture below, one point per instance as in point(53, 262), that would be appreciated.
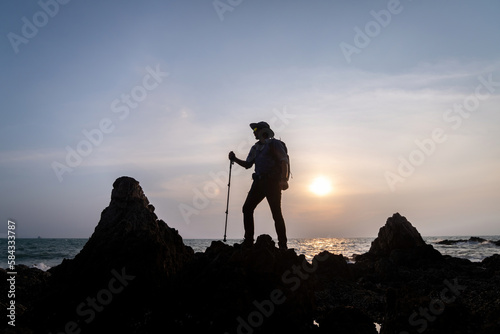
point(395, 104)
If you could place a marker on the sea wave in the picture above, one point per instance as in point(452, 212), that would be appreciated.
point(467, 247)
point(41, 266)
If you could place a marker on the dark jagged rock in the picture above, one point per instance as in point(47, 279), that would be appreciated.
point(237, 289)
point(130, 235)
point(330, 266)
point(116, 277)
point(453, 242)
point(477, 239)
point(492, 262)
point(29, 284)
point(400, 241)
point(443, 294)
point(398, 233)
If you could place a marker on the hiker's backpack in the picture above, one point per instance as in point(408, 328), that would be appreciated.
point(288, 157)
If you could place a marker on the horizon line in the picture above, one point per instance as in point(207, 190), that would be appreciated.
point(359, 237)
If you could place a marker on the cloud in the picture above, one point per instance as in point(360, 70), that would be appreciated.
point(27, 156)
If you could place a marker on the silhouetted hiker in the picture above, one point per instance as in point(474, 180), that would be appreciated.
point(271, 176)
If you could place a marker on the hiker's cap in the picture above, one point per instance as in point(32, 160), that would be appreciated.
point(262, 125)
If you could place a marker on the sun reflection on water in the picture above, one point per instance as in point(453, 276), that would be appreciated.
point(310, 247)
point(345, 246)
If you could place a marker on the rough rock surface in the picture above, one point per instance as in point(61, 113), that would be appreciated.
point(398, 233)
point(239, 290)
point(130, 235)
point(29, 284)
point(135, 275)
point(117, 276)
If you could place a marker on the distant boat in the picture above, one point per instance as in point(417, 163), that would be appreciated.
point(39, 237)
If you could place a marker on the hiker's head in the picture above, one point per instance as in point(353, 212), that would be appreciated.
point(262, 130)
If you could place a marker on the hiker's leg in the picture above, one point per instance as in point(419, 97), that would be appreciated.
point(254, 197)
point(274, 200)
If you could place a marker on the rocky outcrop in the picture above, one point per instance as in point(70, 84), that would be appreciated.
point(121, 271)
point(135, 275)
point(471, 239)
point(235, 289)
point(398, 242)
point(397, 233)
point(130, 235)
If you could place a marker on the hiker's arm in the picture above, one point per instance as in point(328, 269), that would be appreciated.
point(242, 163)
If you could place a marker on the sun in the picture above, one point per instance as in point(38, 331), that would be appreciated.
point(321, 186)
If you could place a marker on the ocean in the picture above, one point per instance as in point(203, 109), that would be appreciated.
point(47, 253)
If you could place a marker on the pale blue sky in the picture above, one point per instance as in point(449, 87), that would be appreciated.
point(352, 119)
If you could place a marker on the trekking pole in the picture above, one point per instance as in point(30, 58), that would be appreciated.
point(228, 189)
